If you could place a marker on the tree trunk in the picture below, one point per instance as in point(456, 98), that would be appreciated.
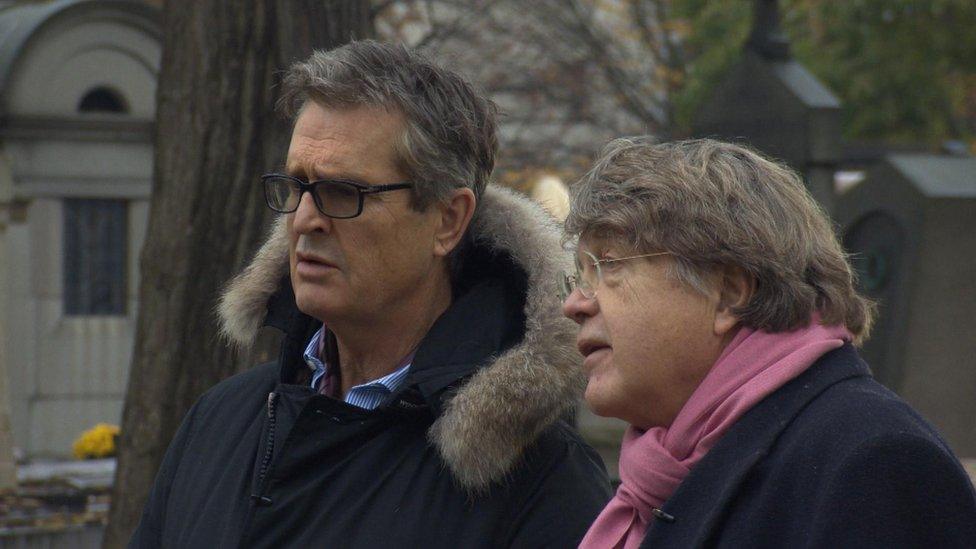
point(216, 133)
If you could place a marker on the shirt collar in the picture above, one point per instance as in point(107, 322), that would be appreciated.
point(387, 384)
point(314, 350)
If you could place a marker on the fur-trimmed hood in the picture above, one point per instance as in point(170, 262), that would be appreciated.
point(489, 421)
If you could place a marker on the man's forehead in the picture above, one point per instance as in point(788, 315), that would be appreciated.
point(332, 141)
point(308, 156)
point(598, 241)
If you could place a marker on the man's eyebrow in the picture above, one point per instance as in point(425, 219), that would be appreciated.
point(298, 171)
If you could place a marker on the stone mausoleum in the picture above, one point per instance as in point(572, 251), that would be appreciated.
point(77, 104)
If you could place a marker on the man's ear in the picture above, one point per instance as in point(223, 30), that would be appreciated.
point(736, 288)
point(455, 216)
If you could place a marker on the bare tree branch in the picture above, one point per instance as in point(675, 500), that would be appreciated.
point(673, 57)
point(641, 104)
point(649, 31)
point(468, 16)
point(379, 6)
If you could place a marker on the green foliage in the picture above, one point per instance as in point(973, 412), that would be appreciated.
point(905, 70)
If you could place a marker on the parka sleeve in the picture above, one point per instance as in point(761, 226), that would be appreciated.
point(148, 535)
point(559, 509)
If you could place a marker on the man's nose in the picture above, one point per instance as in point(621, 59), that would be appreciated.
point(577, 308)
point(308, 218)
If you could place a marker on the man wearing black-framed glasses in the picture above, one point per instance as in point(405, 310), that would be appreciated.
point(425, 365)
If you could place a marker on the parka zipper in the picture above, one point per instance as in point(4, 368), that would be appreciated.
point(258, 498)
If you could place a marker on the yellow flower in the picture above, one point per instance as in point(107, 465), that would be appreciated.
point(97, 442)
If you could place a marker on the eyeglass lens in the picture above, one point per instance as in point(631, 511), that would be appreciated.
point(586, 276)
point(333, 198)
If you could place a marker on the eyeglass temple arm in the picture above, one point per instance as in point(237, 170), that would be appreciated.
point(615, 259)
point(381, 188)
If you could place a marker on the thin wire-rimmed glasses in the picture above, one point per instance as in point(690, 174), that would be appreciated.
point(336, 198)
point(589, 275)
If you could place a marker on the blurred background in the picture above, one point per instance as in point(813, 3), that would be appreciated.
point(132, 134)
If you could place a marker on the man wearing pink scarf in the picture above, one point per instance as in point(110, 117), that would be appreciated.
point(718, 317)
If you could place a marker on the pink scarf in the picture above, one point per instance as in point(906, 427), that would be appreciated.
point(654, 462)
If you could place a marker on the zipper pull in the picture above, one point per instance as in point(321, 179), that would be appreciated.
point(271, 400)
point(261, 501)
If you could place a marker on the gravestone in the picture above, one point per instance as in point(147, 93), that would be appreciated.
point(774, 104)
point(911, 227)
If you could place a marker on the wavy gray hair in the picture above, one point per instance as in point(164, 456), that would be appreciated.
point(450, 138)
point(712, 204)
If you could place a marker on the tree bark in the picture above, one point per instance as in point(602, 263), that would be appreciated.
point(216, 133)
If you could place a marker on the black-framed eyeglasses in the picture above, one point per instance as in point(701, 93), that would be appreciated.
point(336, 198)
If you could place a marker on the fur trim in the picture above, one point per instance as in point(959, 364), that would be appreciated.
point(501, 410)
point(244, 303)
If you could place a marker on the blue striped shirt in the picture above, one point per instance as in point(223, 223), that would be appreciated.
point(368, 395)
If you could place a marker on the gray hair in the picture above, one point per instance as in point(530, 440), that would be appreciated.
point(450, 138)
point(716, 204)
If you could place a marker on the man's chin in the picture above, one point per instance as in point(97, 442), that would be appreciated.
point(316, 306)
point(597, 403)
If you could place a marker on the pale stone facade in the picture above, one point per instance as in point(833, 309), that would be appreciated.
point(77, 103)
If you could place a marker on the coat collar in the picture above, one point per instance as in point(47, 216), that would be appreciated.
point(483, 426)
point(719, 475)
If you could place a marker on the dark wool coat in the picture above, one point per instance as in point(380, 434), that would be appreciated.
point(470, 453)
point(832, 459)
